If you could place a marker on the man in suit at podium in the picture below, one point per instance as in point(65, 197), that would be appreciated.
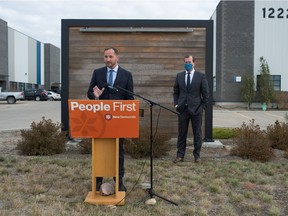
point(190, 94)
point(102, 88)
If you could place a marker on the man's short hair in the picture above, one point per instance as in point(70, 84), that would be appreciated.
point(188, 56)
point(113, 48)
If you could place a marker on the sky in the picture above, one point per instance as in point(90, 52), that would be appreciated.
point(41, 19)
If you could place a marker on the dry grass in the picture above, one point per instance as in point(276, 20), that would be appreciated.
point(220, 185)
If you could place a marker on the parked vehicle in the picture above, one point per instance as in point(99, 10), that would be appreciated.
point(58, 91)
point(53, 96)
point(35, 94)
point(11, 97)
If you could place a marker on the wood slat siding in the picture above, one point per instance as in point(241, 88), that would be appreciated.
point(153, 59)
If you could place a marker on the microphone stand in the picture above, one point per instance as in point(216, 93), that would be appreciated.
point(150, 190)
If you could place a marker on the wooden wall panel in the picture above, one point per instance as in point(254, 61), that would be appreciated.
point(153, 58)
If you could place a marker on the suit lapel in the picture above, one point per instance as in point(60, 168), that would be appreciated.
point(118, 76)
point(183, 78)
point(194, 77)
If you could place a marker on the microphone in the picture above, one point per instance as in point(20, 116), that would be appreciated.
point(106, 85)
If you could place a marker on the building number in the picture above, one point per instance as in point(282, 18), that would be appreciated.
point(273, 13)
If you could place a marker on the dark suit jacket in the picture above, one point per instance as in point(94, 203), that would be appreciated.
point(123, 79)
point(196, 97)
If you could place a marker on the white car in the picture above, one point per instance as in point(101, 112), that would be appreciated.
point(53, 96)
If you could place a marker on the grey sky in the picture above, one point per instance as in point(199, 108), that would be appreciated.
point(41, 19)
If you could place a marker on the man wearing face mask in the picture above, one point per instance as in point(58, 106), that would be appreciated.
point(190, 94)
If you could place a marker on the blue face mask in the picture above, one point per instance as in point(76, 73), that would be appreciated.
point(188, 66)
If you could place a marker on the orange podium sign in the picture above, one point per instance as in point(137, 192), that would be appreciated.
point(104, 118)
point(105, 121)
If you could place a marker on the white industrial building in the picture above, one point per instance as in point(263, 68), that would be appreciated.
point(26, 62)
point(244, 31)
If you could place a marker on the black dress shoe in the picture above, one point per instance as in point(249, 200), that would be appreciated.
point(178, 159)
point(122, 187)
point(98, 185)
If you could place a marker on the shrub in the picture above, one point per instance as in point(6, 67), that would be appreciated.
point(278, 134)
point(85, 146)
point(264, 85)
point(140, 147)
point(282, 100)
point(252, 143)
point(223, 133)
point(247, 89)
point(44, 138)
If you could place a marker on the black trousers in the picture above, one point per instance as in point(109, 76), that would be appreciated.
point(183, 124)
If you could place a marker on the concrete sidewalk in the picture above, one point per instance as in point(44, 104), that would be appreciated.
point(233, 118)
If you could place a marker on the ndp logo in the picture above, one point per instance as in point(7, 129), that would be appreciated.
point(116, 106)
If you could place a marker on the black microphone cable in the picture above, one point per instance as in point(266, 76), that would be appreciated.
point(135, 184)
point(145, 161)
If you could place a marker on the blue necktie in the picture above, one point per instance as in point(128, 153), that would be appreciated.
point(110, 78)
point(188, 80)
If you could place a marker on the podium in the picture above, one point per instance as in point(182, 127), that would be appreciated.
point(105, 163)
point(105, 121)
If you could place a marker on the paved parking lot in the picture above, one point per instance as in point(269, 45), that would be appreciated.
point(235, 118)
point(23, 113)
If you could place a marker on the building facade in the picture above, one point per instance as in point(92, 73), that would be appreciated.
point(152, 50)
point(245, 31)
point(26, 63)
point(3, 54)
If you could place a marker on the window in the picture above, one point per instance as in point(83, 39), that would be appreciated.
point(21, 86)
point(29, 85)
point(275, 80)
point(13, 86)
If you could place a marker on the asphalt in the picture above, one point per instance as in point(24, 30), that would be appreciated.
point(233, 118)
point(23, 113)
